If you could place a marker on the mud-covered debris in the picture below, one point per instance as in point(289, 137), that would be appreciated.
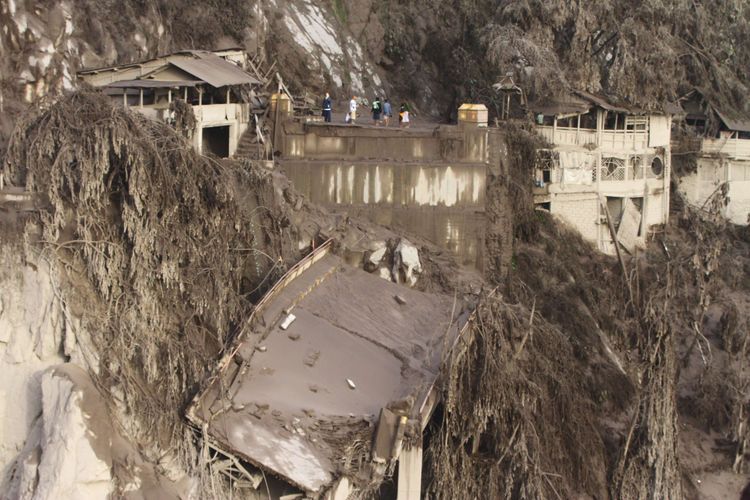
point(406, 264)
point(400, 299)
point(312, 358)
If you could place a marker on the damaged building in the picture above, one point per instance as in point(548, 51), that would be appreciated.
point(605, 162)
point(719, 140)
point(221, 93)
point(331, 383)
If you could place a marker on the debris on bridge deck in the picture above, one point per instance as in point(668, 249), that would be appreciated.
point(308, 399)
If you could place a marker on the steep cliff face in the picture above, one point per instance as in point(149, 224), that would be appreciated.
point(432, 52)
point(32, 338)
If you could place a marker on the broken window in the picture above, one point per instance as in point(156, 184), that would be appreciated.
point(613, 169)
point(547, 161)
point(636, 122)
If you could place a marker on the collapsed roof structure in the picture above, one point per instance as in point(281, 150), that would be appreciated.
point(332, 380)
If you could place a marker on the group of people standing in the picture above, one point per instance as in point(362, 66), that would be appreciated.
point(382, 112)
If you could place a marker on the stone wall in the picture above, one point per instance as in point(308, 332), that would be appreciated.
point(580, 210)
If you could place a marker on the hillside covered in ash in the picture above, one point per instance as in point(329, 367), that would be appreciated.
point(137, 274)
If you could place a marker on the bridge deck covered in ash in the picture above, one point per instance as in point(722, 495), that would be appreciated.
point(301, 398)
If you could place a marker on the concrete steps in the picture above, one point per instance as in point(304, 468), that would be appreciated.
point(247, 147)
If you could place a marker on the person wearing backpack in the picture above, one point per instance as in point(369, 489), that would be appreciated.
point(376, 110)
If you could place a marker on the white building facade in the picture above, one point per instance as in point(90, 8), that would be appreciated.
point(721, 144)
point(607, 165)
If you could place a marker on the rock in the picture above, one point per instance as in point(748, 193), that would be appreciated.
point(69, 452)
point(374, 258)
point(32, 334)
point(400, 299)
point(406, 264)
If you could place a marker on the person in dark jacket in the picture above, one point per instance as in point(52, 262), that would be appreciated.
point(327, 109)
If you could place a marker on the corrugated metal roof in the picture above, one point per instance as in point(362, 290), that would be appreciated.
point(153, 84)
point(561, 106)
point(734, 123)
point(602, 102)
point(212, 69)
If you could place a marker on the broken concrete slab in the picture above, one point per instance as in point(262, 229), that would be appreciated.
point(353, 330)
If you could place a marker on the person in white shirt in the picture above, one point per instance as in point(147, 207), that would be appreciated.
point(353, 110)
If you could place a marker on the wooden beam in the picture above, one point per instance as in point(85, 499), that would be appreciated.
point(613, 233)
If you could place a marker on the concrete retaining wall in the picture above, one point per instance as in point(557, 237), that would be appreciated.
point(313, 141)
point(442, 203)
point(427, 181)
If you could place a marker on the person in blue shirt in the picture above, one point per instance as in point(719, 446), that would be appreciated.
point(327, 109)
point(387, 112)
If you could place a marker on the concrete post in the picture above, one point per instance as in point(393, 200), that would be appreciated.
point(410, 474)
point(341, 491)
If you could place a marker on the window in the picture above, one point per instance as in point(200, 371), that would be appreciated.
point(613, 169)
point(657, 167)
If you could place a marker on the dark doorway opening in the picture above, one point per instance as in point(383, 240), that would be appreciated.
point(216, 141)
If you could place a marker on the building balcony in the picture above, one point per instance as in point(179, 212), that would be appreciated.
point(731, 147)
point(610, 140)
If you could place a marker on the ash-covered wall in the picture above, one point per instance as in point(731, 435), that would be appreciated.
point(430, 181)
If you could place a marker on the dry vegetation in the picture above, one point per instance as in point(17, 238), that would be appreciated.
point(581, 370)
point(163, 250)
point(642, 52)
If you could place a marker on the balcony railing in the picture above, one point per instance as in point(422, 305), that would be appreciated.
point(734, 148)
point(204, 113)
point(596, 167)
point(610, 139)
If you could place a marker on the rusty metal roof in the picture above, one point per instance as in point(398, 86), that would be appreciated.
point(582, 102)
point(561, 106)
